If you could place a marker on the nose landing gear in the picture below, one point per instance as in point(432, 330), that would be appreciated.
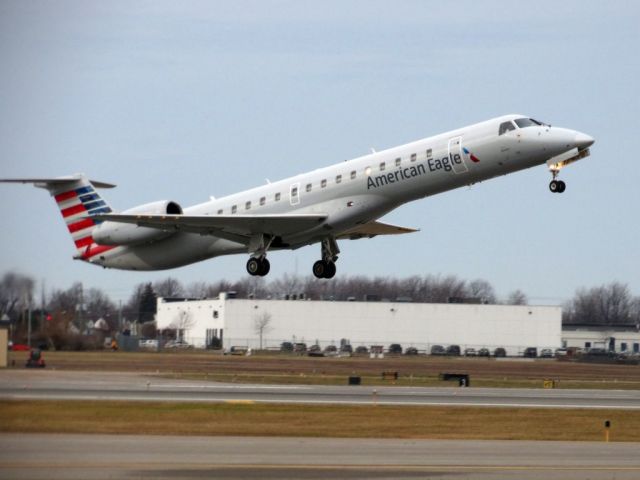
point(557, 186)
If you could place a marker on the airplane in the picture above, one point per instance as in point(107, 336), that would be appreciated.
point(342, 201)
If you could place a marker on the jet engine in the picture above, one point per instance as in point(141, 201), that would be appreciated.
point(115, 233)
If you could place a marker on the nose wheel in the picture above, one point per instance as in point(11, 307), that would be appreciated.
point(258, 266)
point(557, 186)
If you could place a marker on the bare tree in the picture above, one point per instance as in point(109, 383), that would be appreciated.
point(517, 297)
point(610, 304)
point(482, 289)
point(168, 288)
point(182, 321)
point(16, 293)
point(261, 325)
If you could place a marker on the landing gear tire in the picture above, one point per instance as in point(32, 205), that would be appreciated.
point(257, 266)
point(322, 269)
point(557, 186)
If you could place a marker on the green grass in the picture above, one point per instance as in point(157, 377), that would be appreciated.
point(164, 418)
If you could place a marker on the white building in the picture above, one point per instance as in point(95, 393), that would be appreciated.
point(237, 323)
point(621, 339)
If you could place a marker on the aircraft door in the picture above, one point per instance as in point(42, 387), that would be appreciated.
point(455, 155)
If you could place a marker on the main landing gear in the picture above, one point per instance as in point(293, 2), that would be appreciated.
point(258, 266)
point(326, 268)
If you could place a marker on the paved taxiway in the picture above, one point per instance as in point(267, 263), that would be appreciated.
point(52, 456)
point(29, 384)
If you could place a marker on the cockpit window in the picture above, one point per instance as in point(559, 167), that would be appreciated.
point(505, 127)
point(527, 122)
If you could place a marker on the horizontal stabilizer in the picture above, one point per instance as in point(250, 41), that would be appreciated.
point(234, 227)
point(56, 181)
point(372, 229)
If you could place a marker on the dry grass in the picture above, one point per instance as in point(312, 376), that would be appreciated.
point(278, 368)
point(161, 418)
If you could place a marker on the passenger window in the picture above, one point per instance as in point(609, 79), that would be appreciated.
point(429, 153)
point(382, 166)
point(263, 200)
point(338, 178)
point(277, 197)
point(414, 157)
point(505, 127)
point(398, 161)
point(220, 212)
point(323, 183)
point(308, 187)
point(353, 175)
point(247, 205)
point(294, 192)
point(234, 209)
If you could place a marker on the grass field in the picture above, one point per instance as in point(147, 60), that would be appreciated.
point(281, 368)
point(316, 421)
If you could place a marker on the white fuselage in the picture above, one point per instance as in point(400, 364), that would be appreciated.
point(363, 189)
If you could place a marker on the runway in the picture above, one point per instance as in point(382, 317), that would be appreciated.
point(29, 384)
point(52, 457)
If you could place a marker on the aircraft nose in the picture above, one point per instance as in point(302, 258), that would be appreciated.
point(583, 140)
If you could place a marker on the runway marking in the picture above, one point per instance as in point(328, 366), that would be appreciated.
point(240, 402)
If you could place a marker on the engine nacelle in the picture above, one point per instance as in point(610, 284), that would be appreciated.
point(114, 233)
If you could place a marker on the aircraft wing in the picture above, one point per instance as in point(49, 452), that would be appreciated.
point(371, 229)
point(238, 228)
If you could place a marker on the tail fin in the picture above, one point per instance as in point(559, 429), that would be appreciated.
point(77, 199)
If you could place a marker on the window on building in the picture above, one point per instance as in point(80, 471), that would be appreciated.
point(323, 183)
point(263, 200)
point(234, 209)
point(623, 346)
point(429, 153)
point(353, 174)
point(308, 187)
point(247, 206)
point(414, 157)
point(382, 166)
point(338, 178)
point(587, 344)
point(398, 161)
point(277, 197)
point(636, 347)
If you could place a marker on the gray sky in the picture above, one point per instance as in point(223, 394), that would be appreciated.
point(182, 100)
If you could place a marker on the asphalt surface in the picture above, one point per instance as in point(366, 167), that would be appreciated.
point(53, 456)
point(50, 384)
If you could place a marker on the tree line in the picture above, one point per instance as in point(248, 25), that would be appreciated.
point(78, 308)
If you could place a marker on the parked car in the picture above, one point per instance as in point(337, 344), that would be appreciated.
point(362, 350)
point(438, 350)
point(177, 345)
point(500, 352)
point(330, 349)
point(453, 350)
point(530, 352)
point(395, 348)
point(346, 348)
point(299, 347)
point(286, 347)
point(411, 351)
point(149, 343)
point(470, 352)
point(561, 352)
point(546, 353)
point(315, 351)
point(484, 352)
